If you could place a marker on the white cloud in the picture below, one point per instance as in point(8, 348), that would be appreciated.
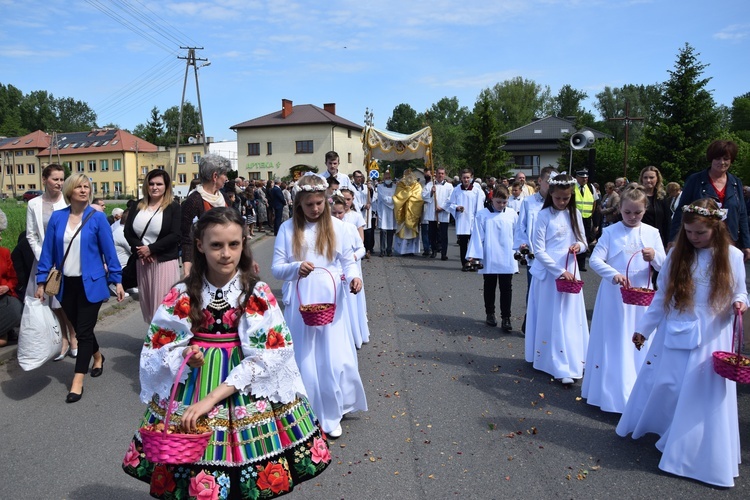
point(471, 81)
point(733, 32)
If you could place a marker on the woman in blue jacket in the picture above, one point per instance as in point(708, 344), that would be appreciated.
point(716, 182)
point(86, 235)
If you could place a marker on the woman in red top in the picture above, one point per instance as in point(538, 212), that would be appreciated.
point(10, 306)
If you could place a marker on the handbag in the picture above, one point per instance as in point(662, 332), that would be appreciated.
point(54, 276)
point(40, 338)
point(129, 275)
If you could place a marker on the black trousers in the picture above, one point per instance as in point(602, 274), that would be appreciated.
point(463, 245)
point(386, 240)
point(370, 239)
point(588, 226)
point(83, 315)
point(505, 283)
point(442, 230)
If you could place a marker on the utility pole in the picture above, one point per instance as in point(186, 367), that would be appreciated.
point(190, 60)
point(627, 119)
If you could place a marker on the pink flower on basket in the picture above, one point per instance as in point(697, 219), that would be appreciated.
point(214, 411)
point(203, 486)
point(171, 297)
point(319, 451)
point(261, 405)
point(132, 457)
point(240, 412)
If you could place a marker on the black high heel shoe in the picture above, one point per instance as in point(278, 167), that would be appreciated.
point(97, 372)
point(73, 397)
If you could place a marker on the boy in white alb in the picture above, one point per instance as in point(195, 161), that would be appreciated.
point(465, 202)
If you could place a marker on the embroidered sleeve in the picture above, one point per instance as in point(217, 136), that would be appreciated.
point(269, 369)
point(167, 336)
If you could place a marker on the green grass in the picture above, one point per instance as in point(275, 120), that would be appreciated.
point(15, 211)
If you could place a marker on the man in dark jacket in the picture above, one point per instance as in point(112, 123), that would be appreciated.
point(277, 201)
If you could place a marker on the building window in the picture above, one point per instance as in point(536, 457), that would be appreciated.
point(117, 165)
point(196, 157)
point(526, 161)
point(254, 176)
point(182, 178)
point(349, 157)
point(29, 152)
point(118, 187)
point(8, 169)
point(105, 187)
point(67, 165)
point(349, 134)
point(269, 148)
point(32, 186)
point(9, 187)
point(195, 176)
point(181, 158)
point(22, 187)
point(304, 147)
point(19, 153)
point(19, 169)
point(144, 170)
point(104, 165)
point(93, 187)
point(92, 165)
point(79, 166)
point(31, 168)
point(253, 148)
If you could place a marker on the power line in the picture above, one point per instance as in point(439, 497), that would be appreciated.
point(167, 23)
point(139, 80)
point(157, 77)
point(135, 29)
point(150, 23)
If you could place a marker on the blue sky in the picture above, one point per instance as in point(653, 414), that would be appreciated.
point(357, 54)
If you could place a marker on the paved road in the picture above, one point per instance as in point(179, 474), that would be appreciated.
point(455, 411)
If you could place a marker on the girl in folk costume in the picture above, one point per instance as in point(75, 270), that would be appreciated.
point(492, 243)
point(342, 208)
point(243, 384)
point(611, 362)
point(309, 246)
point(556, 325)
point(677, 394)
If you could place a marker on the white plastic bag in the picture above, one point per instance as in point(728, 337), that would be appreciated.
point(39, 338)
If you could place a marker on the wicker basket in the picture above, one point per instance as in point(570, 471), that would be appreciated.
point(320, 314)
point(163, 448)
point(731, 365)
point(567, 286)
point(637, 296)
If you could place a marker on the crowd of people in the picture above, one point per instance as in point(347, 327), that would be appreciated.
point(272, 386)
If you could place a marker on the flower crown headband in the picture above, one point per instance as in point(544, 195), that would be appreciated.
point(310, 188)
point(561, 182)
point(719, 213)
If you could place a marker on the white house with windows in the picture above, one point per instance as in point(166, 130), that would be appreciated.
point(296, 138)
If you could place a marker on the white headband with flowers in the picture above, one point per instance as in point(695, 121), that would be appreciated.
point(310, 188)
point(561, 182)
point(719, 213)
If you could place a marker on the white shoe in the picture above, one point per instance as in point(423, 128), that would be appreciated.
point(336, 432)
point(566, 380)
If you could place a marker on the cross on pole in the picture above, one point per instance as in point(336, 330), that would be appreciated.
point(627, 119)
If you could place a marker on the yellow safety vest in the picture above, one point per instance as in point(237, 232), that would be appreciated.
point(585, 203)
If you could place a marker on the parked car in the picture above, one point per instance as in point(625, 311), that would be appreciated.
point(33, 193)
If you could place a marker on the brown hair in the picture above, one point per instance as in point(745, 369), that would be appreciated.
point(721, 149)
point(325, 242)
point(659, 188)
point(634, 193)
point(681, 289)
point(572, 210)
point(52, 167)
point(500, 191)
point(168, 197)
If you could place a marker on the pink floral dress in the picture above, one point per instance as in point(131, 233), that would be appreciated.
point(265, 436)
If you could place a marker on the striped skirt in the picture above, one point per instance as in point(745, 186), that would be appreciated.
point(155, 280)
point(259, 449)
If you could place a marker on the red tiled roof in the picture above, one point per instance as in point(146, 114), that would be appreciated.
point(34, 140)
point(302, 114)
point(99, 140)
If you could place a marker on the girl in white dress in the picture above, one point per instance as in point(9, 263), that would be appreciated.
point(557, 329)
point(611, 362)
point(310, 255)
point(677, 394)
point(349, 213)
point(492, 243)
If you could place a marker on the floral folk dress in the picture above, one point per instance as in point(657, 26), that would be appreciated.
point(265, 436)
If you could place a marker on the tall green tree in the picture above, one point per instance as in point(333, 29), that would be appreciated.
point(10, 111)
point(516, 102)
point(38, 111)
point(191, 123)
point(740, 116)
point(73, 115)
point(154, 130)
point(483, 140)
point(569, 102)
point(612, 103)
point(448, 121)
point(687, 120)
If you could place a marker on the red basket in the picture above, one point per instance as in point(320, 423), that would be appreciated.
point(567, 286)
point(637, 296)
point(163, 448)
point(318, 314)
point(730, 364)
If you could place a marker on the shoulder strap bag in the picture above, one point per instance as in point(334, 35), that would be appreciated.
point(54, 277)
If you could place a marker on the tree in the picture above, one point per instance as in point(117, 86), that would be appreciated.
point(516, 102)
point(686, 121)
point(483, 141)
point(568, 102)
point(447, 120)
point(740, 116)
point(73, 115)
point(191, 123)
point(612, 102)
point(10, 111)
point(154, 130)
point(38, 111)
